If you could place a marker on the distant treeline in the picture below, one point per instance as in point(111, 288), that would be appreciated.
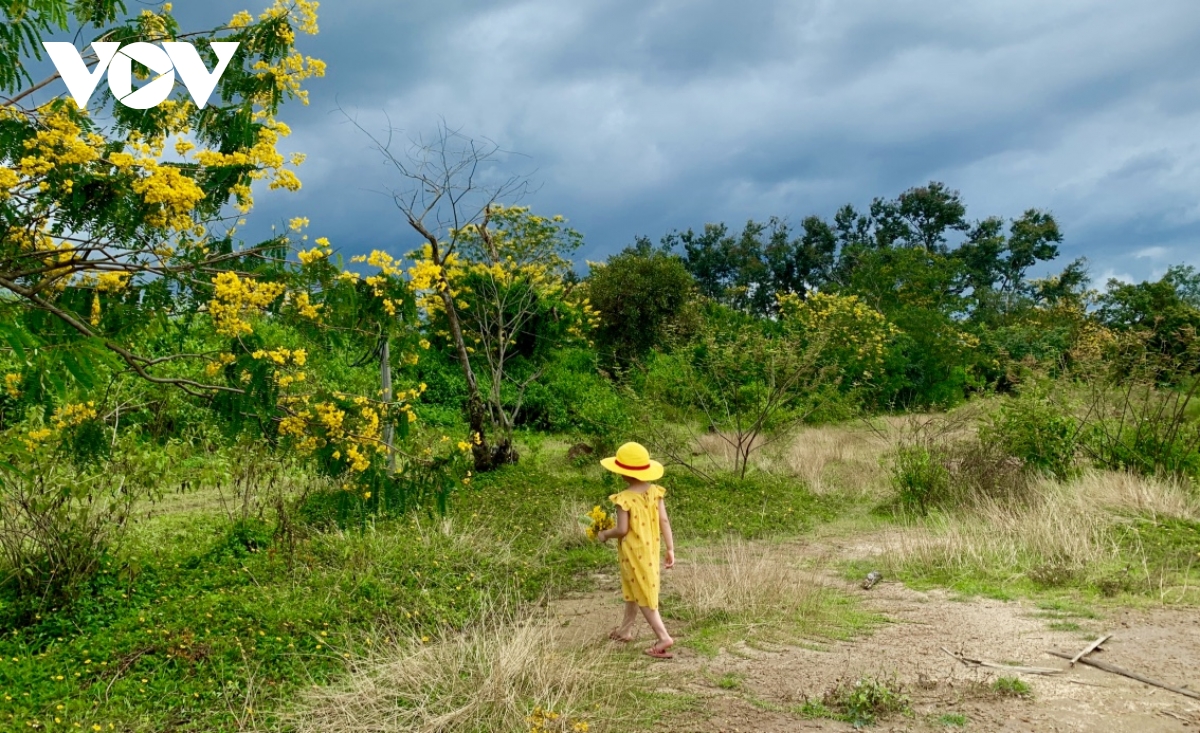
point(959, 291)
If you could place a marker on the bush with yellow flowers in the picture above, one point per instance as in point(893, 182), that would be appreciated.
point(854, 336)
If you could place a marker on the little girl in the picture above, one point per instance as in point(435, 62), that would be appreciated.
point(641, 521)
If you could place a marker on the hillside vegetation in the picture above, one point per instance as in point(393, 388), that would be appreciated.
point(232, 472)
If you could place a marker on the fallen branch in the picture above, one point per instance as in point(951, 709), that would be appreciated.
point(1131, 675)
point(126, 663)
point(1090, 648)
point(1005, 667)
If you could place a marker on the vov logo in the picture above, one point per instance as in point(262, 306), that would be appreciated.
point(118, 62)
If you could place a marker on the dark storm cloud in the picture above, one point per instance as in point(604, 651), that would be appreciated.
point(642, 117)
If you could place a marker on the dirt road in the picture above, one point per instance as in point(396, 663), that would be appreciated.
point(743, 689)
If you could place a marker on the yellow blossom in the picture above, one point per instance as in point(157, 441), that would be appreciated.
point(12, 383)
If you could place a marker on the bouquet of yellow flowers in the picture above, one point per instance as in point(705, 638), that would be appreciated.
point(598, 521)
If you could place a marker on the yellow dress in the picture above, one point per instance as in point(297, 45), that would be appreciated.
point(638, 550)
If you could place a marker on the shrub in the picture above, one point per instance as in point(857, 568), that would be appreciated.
point(864, 701)
point(920, 478)
point(243, 537)
point(443, 402)
point(57, 524)
point(642, 296)
point(980, 470)
point(1141, 405)
point(572, 397)
point(1037, 432)
point(1145, 449)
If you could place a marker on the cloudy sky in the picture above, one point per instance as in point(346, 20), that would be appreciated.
point(643, 116)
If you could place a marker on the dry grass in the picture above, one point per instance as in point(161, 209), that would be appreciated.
point(837, 459)
point(565, 531)
point(1131, 493)
point(1065, 535)
point(490, 678)
point(721, 448)
point(739, 585)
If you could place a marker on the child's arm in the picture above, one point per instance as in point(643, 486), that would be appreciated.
point(664, 524)
point(618, 531)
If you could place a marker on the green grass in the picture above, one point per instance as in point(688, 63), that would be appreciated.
point(1011, 687)
point(1157, 559)
point(953, 720)
point(731, 681)
point(1163, 540)
point(198, 639)
point(198, 626)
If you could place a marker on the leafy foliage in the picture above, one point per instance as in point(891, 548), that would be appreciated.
point(1038, 433)
point(1141, 400)
point(860, 702)
point(642, 296)
point(920, 478)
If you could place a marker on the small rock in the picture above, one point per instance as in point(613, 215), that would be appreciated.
point(579, 450)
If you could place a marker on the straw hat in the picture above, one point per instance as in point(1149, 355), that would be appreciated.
point(633, 460)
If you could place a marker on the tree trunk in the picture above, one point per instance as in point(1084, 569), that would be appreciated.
point(486, 456)
point(385, 379)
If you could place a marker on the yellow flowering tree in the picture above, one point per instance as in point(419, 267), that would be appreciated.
point(119, 238)
point(132, 221)
point(493, 281)
point(512, 289)
point(855, 336)
point(120, 257)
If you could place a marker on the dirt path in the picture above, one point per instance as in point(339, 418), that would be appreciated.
point(765, 686)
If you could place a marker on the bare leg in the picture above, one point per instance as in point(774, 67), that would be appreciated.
point(624, 632)
point(653, 618)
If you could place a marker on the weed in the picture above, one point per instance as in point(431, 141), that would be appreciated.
point(1037, 432)
point(488, 678)
point(731, 681)
point(745, 594)
point(815, 709)
point(220, 616)
point(953, 720)
point(1011, 687)
point(1101, 534)
point(861, 702)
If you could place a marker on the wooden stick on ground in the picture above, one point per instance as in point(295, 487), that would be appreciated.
point(1090, 648)
point(1004, 667)
point(1131, 675)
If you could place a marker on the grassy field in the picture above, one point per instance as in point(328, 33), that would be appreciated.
point(204, 625)
point(201, 624)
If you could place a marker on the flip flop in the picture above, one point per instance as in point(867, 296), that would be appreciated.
point(613, 635)
point(657, 653)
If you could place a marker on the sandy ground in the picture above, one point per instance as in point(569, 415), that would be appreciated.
point(1161, 643)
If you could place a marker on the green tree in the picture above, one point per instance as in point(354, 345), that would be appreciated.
point(996, 266)
point(750, 270)
point(931, 361)
point(920, 217)
point(640, 295)
point(516, 300)
point(1162, 308)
